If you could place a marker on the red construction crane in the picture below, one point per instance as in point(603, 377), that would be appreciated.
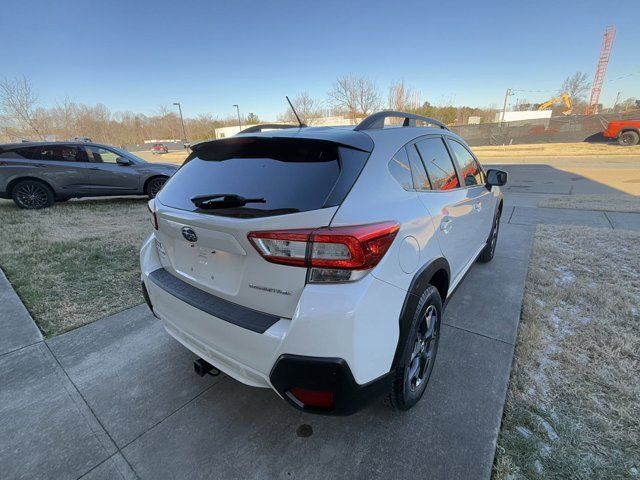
point(601, 69)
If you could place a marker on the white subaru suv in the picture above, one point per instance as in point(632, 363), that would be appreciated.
point(318, 261)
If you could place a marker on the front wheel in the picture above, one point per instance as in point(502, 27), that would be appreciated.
point(154, 186)
point(627, 139)
point(419, 351)
point(490, 248)
point(32, 195)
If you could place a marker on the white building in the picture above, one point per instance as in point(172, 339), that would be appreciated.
point(526, 115)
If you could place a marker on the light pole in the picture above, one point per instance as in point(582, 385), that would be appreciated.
point(184, 132)
point(504, 108)
point(239, 123)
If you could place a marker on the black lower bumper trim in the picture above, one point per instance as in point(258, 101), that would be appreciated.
point(333, 374)
point(223, 309)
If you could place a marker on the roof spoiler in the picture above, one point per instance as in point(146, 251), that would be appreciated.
point(269, 126)
point(376, 120)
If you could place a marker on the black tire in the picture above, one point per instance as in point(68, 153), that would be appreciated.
point(32, 195)
point(628, 138)
point(418, 352)
point(490, 248)
point(154, 186)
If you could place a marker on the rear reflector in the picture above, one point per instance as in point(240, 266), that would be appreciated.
point(313, 398)
point(359, 247)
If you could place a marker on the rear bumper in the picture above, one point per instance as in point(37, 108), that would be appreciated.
point(326, 374)
point(342, 337)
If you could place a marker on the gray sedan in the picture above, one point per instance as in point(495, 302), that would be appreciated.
point(37, 174)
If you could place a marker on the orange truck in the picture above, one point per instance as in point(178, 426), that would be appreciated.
point(626, 131)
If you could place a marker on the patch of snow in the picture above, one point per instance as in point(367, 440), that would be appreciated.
point(551, 433)
point(525, 432)
point(634, 312)
point(540, 303)
point(566, 276)
point(538, 467)
point(633, 471)
point(545, 451)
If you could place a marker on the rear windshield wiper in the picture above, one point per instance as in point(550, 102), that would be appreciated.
point(223, 200)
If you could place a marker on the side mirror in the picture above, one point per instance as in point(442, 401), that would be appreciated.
point(496, 178)
point(123, 161)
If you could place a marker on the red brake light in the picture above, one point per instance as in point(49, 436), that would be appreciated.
point(358, 247)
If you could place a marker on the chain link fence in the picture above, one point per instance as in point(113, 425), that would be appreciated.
point(562, 129)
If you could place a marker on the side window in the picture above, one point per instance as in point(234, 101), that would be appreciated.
point(437, 161)
point(400, 169)
point(26, 153)
point(420, 179)
point(61, 153)
point(469, 168)
point(101, 155)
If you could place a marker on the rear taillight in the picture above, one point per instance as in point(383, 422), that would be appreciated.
point(334, 254)
point(152, 209)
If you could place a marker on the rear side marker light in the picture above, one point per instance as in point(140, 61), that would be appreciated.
point(151, 206)
point(334, 254)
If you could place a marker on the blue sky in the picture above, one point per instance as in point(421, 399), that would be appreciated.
point(138, 54)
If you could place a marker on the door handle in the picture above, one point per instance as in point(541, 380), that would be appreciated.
point(446, 224)
point(94, 168)
point(477, 206)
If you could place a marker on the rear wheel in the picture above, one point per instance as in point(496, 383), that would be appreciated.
point(32, 195)
point(154, 186)
point(419, 351)
point(626, 139)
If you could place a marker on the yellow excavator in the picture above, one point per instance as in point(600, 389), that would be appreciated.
point(564, 97)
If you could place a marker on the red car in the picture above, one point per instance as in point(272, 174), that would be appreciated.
point(158, 148)
point(626, 131)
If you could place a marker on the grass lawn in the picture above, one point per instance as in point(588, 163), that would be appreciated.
point(610, 203)
point(608, 149)
point(573, 405)
point(75, 262)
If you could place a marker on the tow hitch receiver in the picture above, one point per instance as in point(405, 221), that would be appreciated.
point(202, 367)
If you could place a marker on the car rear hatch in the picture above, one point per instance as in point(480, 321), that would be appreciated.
point(246, 184)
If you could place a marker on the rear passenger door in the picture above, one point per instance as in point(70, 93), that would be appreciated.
point(63, 166)
point(447, 202)
point(472, 179)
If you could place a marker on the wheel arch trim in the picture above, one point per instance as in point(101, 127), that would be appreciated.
point(14, 181)
point(420, 280)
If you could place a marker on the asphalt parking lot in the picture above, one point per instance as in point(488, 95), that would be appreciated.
point(118, 398)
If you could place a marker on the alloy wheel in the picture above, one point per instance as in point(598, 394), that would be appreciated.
point(494, 234)
point(32, 195)
point(155, 187)
point(424, 348)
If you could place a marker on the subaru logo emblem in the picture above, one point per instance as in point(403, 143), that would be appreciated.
point(189, 234)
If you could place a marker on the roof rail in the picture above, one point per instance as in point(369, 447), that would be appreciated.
point(376, 120)
point(269, 126)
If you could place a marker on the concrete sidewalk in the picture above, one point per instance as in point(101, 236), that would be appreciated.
point(118, 399)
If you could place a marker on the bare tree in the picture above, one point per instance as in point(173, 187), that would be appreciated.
point(576, 85)
point(355, 96)
point(403, 98)
point(19, 104)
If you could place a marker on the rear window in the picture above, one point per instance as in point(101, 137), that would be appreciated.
point(27, 153)
point(291, 175)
